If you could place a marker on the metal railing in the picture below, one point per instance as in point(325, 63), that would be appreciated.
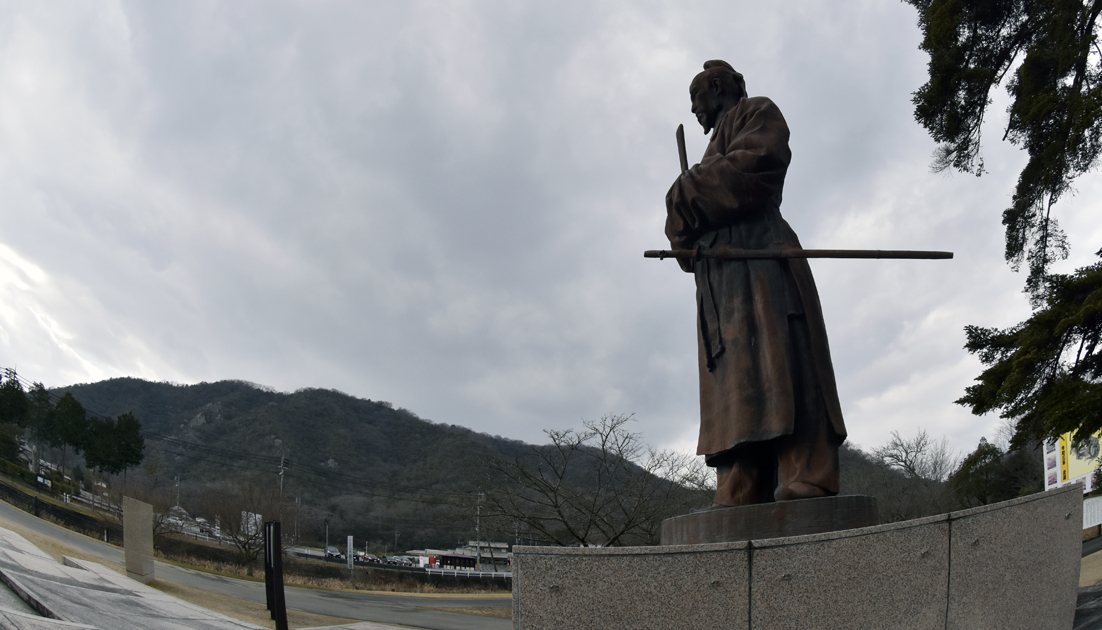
point(476, 574)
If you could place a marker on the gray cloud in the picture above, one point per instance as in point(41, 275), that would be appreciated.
point(445, 205)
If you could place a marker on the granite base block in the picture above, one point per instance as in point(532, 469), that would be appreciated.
point(1014, 565)
point(892, 576)
point(137, 536)
point(1009, 565)
point(643, 588)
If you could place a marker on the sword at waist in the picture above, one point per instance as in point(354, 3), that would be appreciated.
point(726, 252)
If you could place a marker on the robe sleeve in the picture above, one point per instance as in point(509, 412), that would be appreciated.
point(742, 171)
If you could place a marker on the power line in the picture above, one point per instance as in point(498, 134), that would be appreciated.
point(328, 479)
point(349, 483)
point(268, 461)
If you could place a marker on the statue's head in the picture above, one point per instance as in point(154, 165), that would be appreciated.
point(714, 91)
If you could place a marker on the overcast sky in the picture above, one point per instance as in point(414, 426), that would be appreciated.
point(444, 205)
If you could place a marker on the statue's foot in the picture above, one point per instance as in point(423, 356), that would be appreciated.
point(800, 490)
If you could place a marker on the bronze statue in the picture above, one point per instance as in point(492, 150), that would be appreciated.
point(770, 420)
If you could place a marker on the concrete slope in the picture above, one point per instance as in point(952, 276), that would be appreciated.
point(91, 594)
point(408, 611)
point(10, 620)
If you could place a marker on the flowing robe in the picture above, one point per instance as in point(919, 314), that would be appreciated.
point(745, 308)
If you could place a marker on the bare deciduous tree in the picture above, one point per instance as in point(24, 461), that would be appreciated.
point(919, 457)
point(240, 508)
point(597, 486)
point(1004, 433)
point(906, 475)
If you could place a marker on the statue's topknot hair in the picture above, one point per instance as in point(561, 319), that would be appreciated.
point(725, 68)
point(718, 63)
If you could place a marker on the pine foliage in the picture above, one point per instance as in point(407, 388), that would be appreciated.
point(1045, 374)
point(1046, 54)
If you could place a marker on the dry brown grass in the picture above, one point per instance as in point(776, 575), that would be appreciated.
point(251, 612)
point(365, 582)
point(224, 569)
point(403, 586)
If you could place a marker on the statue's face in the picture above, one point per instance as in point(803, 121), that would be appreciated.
point(707, 104)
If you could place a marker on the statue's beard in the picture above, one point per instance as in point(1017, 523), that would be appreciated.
point(705, 121)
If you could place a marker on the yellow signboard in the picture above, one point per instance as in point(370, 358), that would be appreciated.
point(1067, 463)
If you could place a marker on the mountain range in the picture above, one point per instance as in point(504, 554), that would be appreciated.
point(363, 467)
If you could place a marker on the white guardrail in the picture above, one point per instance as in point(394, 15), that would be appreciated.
point(477, 574)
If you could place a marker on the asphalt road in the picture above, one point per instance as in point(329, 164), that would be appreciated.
point(1091, 546)
point(391, 609)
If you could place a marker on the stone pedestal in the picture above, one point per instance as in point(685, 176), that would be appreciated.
point(137, 533)
point(1008, 565)
point(771, 520)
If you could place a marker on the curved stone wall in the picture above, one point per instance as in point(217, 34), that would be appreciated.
point(1009, 565)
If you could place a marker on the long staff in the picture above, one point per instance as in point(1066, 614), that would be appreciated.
point(726, 252)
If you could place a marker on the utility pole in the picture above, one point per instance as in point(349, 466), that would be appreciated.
point(282, 459)
point(177, 490)
point(327, 540)
point(298, 503)
point(478, 533)
point(351, 551)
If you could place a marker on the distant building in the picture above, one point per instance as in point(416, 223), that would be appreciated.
point(495, 557)
point(457, 560)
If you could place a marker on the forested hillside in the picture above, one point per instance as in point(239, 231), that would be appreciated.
point(377, 473)
point(369, 469)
